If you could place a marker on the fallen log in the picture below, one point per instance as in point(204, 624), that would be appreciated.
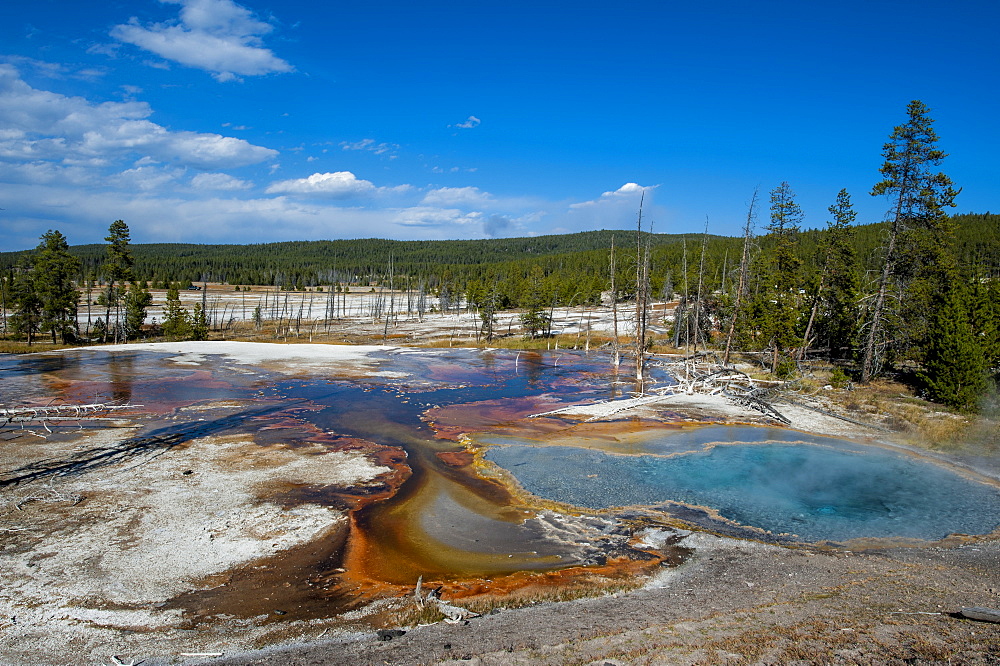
point(981, 614)
point(59, 412)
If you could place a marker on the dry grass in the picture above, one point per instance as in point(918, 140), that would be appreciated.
point(16, 347)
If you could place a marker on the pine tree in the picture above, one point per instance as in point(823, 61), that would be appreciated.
point(26, 319)
point(836, 294)
point(786, 220)
point(779, 321)
point(117, 269)
point(136, 301)
point(954, 368)
point(535, 320)
point(54, 269)
point(917, 249)
point(199, 323)
point(177, 320)
point(985, 320)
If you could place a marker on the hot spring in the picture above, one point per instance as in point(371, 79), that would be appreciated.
point(784, 482)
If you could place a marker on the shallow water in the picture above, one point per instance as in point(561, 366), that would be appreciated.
point(441, 520)
point(445, 520)
point(784, 482)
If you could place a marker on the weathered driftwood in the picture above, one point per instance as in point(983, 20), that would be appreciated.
point(755, 399)
point(452, 614)
point(692, 377)
point(981, 614)
point(58, 412)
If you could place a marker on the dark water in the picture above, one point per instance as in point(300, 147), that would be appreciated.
point(818, 490)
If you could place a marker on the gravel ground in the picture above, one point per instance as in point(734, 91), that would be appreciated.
point(732, 602)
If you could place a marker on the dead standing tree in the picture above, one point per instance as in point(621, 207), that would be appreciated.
point(615, 343)
point(743, 277)
point(701, 284)
point(641, 297)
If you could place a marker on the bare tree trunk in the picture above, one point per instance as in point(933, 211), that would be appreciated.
point(640, 298)
point(812, 318)
point(701, 280)
point(614, 308)
point(744, 269)
point(3, 306)
point(107, 313)
point(392, 301)
point(90, 297)
point(870, 357)
point(687, 296)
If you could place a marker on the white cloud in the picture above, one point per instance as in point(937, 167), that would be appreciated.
point(53, 70)
point(47, 173)
point(457, 196)
point(219, 181)
point(83, 215)
point(626, 192)
point(441, 219)
point(337, 185)
point(613, 209)
point(469, 123)
point(372, 146)
point(143, 178)
point(42, 125)
point(218, 36)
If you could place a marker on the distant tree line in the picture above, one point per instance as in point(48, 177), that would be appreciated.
point(918, 290)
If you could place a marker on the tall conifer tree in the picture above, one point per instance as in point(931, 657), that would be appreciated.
point(917, 249)
point(838, 287)
point(54, 269)
point(117, 269)
point(954, 368)
point(778, 310)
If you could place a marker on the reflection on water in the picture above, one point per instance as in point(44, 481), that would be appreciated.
point(823, 489)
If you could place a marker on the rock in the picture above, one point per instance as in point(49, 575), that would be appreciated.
point(389, 634)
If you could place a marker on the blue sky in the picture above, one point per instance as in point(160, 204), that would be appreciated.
point(213, 121)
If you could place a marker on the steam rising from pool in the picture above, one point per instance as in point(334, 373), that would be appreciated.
point(818, 489)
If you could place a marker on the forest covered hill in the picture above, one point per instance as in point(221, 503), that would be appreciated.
point(568, 256)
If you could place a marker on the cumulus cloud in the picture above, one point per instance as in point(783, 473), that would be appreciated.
point(626, 192)
point(219, 182)
point(468, 123)
point(457, 196)
point(42, 125)
point(218, 36)
point(337, 185)
point(613, 209)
